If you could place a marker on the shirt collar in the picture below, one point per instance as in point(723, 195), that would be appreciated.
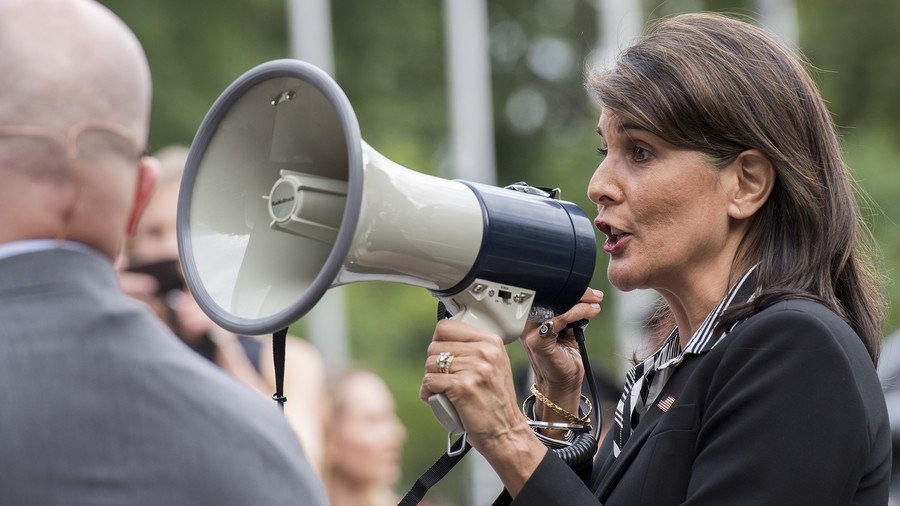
point(11, 249)
point(704, 338)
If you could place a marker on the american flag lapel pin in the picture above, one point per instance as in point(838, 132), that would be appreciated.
point(666, 403)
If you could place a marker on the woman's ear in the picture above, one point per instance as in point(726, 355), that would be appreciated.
point(752, 179)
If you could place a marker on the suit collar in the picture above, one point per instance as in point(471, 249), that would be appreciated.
point(616, 467)
point(53, 267)
point(612, 469)
point(10, 249)
point(644, 382)
point(705, 337)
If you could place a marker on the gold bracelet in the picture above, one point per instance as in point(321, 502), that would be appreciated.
point(562, 412)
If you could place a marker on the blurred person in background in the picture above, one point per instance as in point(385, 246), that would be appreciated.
point(364, 441)
point(102, 403)
point(152, 275)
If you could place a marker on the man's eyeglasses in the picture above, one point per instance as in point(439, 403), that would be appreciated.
point(44, 151)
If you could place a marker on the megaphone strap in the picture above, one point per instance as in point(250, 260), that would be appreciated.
point(279, 339)
point(434, 474)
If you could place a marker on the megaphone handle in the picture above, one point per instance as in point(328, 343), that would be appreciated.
point(481, 305)
point(441, 406)
point(443, 409)
point(446, 414)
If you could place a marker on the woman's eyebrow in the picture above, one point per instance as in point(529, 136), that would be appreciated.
point(622, 127)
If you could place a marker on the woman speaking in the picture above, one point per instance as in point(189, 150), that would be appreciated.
point(722, 187)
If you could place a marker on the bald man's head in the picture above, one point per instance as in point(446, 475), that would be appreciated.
point(70, 61)
point(67, 66)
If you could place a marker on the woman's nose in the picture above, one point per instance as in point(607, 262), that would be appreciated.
point(602, 189)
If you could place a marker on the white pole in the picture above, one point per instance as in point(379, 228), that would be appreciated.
point(780, 17)
point(619, 23)
point(469, 75)
point(472, 145)
point(310, 33)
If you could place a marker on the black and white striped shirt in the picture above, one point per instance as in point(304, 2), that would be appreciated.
point(645, 381)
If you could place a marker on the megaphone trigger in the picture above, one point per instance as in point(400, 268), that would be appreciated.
point(446, 414)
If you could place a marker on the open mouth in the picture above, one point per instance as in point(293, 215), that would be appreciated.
point(615, 235)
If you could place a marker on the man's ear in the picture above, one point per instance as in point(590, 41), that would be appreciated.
point(752, 177)
point(148, 175)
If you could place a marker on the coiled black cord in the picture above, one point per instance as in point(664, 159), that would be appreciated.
point(583, 448)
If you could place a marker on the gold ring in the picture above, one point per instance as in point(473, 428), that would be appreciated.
point(444, 360)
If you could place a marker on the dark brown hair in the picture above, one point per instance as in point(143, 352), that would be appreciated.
point(721, 86)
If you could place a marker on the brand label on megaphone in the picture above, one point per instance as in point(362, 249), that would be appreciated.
point(307, 205)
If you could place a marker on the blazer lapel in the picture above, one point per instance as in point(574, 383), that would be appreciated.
point(614, 469)
point(632, 446)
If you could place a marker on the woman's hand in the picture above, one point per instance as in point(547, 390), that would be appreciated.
point(556, 362)
point(479, 384)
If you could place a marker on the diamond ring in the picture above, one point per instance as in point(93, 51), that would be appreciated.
point(444, 360)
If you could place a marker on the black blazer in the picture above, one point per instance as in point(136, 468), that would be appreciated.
point(785, 410)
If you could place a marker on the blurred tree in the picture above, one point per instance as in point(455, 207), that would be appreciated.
point(854, 52)
point(196, 49)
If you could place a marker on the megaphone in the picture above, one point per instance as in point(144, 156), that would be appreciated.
point(281, 199)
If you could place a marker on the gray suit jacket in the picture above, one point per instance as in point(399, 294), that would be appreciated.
point(100, 404)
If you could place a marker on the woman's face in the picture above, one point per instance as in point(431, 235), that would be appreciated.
point(367, 443)
point(661, 207)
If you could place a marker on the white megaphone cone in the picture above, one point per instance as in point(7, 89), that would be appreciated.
point(282, 200)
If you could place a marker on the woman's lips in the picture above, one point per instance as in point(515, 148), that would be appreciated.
point(615, 242)
point(616, 239)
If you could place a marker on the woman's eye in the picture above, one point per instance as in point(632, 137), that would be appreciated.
point(639, 154)
point(602, 152)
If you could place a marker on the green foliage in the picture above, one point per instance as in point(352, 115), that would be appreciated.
point(856, 52)
point(874, 155)
point(195, 49)
point(389, 61)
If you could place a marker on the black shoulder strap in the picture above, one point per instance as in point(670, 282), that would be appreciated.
point(433, 475)
point(278, 344)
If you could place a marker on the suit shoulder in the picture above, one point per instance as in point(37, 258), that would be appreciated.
point(796, 324)
point(804, 335)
